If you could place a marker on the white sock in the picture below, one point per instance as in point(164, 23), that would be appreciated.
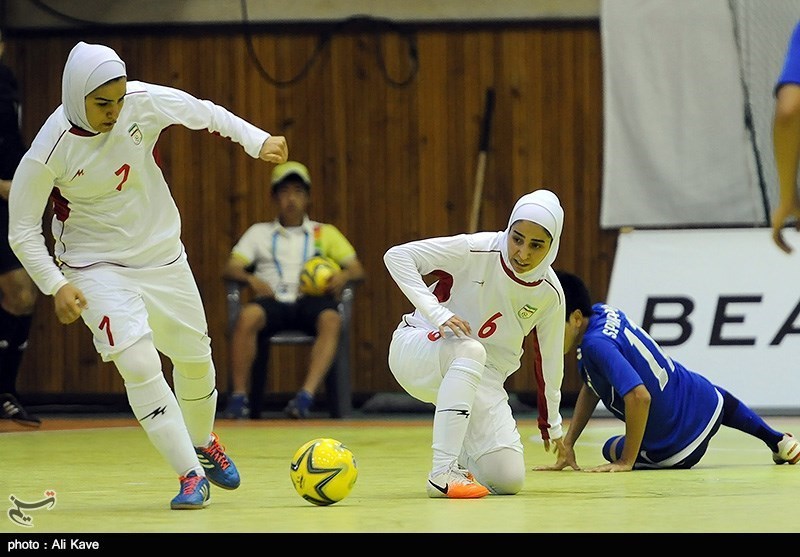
point(156, 408)
point(197, 397)
point(453, 410)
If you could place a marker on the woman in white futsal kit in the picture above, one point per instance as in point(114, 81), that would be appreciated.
point(120, 263)
point(465, 338)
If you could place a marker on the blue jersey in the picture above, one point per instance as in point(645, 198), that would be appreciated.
point(791, 64)
point(615, 356)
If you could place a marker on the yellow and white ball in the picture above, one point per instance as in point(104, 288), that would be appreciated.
point(316, 275)
point(323, 471)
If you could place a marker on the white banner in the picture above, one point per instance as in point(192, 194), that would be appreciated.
point(676, 151)
point(723, 302)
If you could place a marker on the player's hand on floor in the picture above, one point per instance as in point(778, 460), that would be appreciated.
point(565, 456)
point(783, 212)
point(618, 466)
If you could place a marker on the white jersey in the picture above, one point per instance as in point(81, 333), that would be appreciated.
point(475, 284)
point(111, 202)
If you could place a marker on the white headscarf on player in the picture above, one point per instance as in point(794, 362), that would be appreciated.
point(88, 67)
point(544, 208)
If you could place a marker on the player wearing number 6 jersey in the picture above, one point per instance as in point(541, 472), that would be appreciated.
point(465, 338)
point(120, 263)
point(670, 412)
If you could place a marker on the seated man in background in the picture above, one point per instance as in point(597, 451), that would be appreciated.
point(670, 412)
point(276, 251)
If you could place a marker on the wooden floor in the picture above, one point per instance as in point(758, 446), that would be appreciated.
point(105, 478)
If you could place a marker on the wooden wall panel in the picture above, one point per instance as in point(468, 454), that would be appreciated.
point(390, 162)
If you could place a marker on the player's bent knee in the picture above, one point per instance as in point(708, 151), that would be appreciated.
point(502, 472)
point(471, 349)
point(612, 448)
point(506, 485)
point(139, 362)
point(203, 369)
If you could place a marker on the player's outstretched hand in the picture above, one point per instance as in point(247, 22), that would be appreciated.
point(781, 214)
point(565, 456)
point(70, 303)
point(275, 150)
point(618, 466)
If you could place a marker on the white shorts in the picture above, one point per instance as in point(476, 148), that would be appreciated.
point(417, 364)
point(125, 305)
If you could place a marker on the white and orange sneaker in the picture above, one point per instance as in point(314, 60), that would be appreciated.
point(455, 483)
point(788, 450)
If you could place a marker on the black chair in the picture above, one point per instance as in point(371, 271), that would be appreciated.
point(338, 390)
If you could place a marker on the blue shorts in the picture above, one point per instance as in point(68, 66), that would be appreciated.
point(612, 452)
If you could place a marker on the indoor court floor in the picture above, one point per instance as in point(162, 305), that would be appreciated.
point(101, 475)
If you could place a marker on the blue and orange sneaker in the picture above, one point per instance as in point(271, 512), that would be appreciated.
point(195, 492)
point(220, 469)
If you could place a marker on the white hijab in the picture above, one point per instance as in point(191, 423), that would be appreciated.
point(543, 208)
point(88, 67)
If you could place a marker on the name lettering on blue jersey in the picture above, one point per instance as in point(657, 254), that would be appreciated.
point(612, 323)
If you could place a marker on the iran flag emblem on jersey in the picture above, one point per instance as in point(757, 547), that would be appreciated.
point(526, 311)
point(135, 133)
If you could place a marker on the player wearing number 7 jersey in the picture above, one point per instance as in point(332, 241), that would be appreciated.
point(466, 336)
point(120, 263)
point(670, 412)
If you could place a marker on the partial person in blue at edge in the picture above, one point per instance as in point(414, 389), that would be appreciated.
point(786, 141)
point(670, 412)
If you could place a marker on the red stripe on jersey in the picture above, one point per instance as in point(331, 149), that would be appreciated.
point(60, 205)
point(75, 130)
point(541, 400)
point(156, 152)
point(512, 276)
point(444, 286)
point(157, 156)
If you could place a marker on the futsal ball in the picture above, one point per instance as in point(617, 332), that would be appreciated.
point(316, 274)
point(323, 471)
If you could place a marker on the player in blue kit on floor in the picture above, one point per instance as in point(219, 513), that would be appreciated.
point(670, 412)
